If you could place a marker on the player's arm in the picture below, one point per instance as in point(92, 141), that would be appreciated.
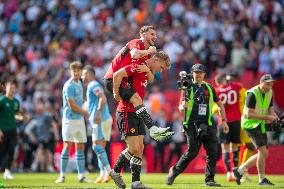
point(20, 116)
point(102, 101)
point(137, 53)
point(70, 95)
point(74, 107)
point(146, 69)
point(221, 110)
point(117, 78)
point(251, 113)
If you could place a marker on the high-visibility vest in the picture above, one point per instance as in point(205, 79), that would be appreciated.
point(262, 106)
point(191, 102)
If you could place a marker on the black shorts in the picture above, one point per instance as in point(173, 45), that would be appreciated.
point(47, 145)
point(258, 138)
point(124, 92)
point(129, 124)
point(234, 135)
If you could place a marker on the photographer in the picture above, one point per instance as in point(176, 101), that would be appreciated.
point(198, 99)
point(257, 112)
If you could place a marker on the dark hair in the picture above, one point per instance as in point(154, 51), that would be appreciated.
point(76, 65)
point(2, 88)
point(90, 69)
point(11, 81)
point(144, 29)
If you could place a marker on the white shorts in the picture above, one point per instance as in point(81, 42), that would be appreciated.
point(102, 131)
point(74, 131)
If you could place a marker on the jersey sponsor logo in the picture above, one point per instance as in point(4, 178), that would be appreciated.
point(7, 104)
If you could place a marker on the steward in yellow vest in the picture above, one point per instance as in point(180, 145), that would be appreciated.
point(257, 112)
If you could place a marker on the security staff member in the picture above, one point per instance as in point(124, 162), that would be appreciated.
point(198, 126)
point(258, 111)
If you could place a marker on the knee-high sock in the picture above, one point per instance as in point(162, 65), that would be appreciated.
point(227, 161)
point(102, 156)
point(144, 115)
point(135, 166)
point(236, 156)
point(80, 162)
point(124, 157)
point(64, 161)
point(101, 167)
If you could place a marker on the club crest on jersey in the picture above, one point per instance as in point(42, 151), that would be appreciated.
point(132, 130)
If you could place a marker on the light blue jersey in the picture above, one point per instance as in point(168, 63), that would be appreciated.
point(93, 89)
point(72, 90)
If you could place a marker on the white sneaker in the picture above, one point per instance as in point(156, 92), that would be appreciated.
point(160, 133)
point(61, 179)
point(7, 175)
point(50, 169)
point(246, 177)
point(85, 180)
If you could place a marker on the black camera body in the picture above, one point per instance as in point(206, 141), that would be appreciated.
point(277, 125)
point(185, 80)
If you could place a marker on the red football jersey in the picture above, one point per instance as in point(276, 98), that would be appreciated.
point(123, 58)
point(139, 84)
point(229, 95)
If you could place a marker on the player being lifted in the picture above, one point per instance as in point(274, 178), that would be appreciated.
point(230, 94)
point(137, 49)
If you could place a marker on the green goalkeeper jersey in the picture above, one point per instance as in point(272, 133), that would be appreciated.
point(8, 110)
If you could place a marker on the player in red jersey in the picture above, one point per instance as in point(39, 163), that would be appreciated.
point(136, 50)
point(229, 94)
point(130, 125)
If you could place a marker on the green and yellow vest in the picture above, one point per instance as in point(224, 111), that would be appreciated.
point(262, 106)
point(191, 102)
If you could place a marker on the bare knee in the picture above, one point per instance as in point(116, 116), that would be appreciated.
point(263, 152)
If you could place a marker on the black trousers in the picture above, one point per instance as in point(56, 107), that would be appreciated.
point(209, 141)
point(7, 148)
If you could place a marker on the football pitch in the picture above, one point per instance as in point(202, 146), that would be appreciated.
point(156, 181)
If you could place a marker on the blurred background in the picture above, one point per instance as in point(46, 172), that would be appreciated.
point(39, 38)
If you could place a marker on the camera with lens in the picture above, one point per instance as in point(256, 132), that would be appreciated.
point(277, 125)
point(202, 130)
point(185, 80)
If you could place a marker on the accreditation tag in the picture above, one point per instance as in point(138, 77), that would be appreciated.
point(202, 109)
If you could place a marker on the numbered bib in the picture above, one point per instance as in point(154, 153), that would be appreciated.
point(202, 109)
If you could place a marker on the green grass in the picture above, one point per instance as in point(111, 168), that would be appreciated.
point(156, 181)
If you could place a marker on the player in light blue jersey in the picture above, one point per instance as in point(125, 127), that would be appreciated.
point(100, 119)
point(73, 125)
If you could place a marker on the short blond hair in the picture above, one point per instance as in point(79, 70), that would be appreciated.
point(144, 29)
point(164, 57)
point(76, 65)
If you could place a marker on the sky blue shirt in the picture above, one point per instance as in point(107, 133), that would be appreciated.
point(72, 90)
point(93, 89)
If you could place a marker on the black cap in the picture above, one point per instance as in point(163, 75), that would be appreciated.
point(199, 68)
point(266, 78)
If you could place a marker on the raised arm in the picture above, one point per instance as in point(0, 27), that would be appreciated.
point(137, 53)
